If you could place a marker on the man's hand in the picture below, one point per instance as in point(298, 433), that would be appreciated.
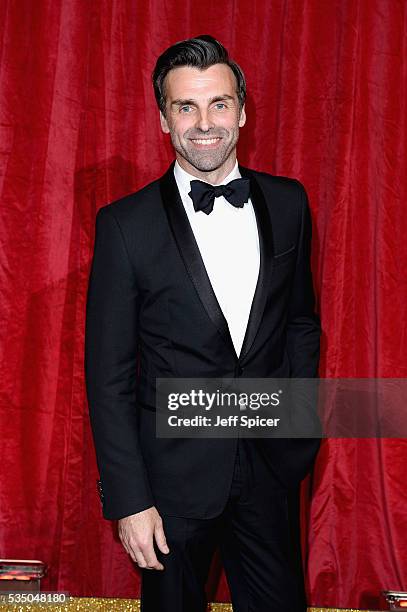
point(137, 533)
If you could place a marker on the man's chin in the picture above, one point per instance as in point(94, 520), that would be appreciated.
point(206, 163)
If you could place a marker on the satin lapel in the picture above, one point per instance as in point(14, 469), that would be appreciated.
point(266, 260)
point(191, 255)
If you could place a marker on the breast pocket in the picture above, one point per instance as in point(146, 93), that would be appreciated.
point(284, 256)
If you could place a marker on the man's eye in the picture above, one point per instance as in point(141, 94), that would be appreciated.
point(185, 109)
point(220, 105)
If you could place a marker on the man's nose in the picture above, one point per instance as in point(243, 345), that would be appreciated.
point(204, 122)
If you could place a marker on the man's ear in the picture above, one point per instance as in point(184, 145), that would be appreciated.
point(242, 118)
point(164, 124)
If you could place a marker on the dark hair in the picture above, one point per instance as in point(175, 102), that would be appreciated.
point(200, 52)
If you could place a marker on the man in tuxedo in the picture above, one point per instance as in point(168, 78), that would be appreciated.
point(203, 273)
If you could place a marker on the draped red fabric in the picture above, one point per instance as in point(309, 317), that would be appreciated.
point(78, 128)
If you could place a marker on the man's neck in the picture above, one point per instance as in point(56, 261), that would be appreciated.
point(214, 177)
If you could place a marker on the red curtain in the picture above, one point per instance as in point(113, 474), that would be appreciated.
point(79, 128)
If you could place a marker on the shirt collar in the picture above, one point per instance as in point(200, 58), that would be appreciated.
point(183, 178)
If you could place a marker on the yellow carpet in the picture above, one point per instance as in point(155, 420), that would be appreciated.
point(84, 604)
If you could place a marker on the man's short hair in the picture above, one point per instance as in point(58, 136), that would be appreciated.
point(200, 52)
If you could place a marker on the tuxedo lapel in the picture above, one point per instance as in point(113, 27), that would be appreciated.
point(191, 256)
point(266, 260)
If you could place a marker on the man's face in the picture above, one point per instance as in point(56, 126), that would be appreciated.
point(203, 116)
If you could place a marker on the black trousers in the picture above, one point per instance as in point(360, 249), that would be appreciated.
point(258, 537)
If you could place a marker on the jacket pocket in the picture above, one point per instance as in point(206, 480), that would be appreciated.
point(286, 255)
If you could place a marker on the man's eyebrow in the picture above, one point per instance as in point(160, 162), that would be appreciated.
point(220, 98)
point(182, 102)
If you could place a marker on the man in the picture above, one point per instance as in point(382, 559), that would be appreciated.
point(191, 280)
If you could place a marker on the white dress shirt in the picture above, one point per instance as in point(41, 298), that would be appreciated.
point(229, 245)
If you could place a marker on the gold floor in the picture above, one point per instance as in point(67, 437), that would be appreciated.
point(83, 604)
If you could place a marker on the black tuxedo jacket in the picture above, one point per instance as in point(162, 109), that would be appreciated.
point(152, 313)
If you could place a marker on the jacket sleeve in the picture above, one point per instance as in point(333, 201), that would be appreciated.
point(303, 324)
point(110, 372)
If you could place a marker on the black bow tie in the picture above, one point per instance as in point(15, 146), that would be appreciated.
point(203, 194)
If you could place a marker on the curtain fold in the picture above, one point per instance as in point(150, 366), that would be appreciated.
point(79, 128)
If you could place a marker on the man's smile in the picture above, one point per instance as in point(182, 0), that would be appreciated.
point(205, 142)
